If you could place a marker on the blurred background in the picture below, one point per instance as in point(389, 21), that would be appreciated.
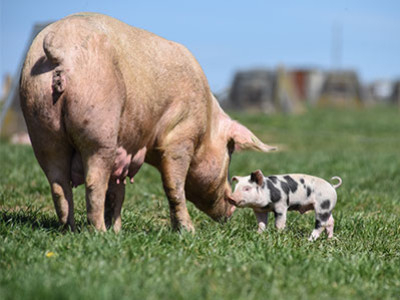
point(264, 56)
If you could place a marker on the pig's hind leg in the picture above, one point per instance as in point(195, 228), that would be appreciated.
point(61, 191)
point(96, 141)
point(55, 160)
point(113, 205)
point(323, 220)
point(93, 123)
point(330, 226)
point(97, 167)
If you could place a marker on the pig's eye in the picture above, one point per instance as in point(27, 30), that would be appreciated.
point(246, 188)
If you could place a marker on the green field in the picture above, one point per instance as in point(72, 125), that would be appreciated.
point(231, 261)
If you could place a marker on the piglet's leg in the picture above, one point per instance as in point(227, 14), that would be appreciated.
point(174, 168)
point(262, 220)
point(280, 219)
point(329, 227)
point(316, 232)
point(322, 220)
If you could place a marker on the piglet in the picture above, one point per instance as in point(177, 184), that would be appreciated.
point(280, 193)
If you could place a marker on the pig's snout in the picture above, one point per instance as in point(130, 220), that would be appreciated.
point(224, 211)
point(232, 201)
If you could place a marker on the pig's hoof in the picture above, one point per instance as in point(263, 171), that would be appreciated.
point(68, 228)
point(184, 227)
point(187, 228)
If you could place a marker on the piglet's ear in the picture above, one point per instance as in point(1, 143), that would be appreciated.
point(245, 140)
point(257, 177)
point(235, 179)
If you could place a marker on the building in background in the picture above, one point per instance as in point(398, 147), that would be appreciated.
point(341, 88)
point(253, 90)
point(381, 91)
point(291, 91)
point(395, 97)
point(266, 91)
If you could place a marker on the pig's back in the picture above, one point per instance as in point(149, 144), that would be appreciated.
point(156, 79)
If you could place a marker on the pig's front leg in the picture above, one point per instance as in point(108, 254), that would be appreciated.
point(262, 220)
point(174, 167)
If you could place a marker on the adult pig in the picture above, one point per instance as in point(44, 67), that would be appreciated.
point(101, 97)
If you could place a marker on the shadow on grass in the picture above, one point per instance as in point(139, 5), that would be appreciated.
point(32, 218)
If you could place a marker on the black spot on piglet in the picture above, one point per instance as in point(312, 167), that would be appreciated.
point(308, 191)
point(324, 217)
point(285, 187)
point(275, 194)
point(317, 224)
point(274, 179)
point(292, 183)
point(325, 204)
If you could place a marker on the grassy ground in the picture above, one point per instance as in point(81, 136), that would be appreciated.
point(231, 261)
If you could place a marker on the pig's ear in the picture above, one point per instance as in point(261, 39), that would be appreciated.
point(235, 179)
point(257, 177)
point(245, 140)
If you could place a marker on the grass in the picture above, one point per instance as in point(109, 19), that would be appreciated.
point(231, 261)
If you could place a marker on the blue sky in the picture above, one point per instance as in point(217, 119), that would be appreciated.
point(226, 36)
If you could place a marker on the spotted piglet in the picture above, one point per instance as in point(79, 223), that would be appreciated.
point(280, 193)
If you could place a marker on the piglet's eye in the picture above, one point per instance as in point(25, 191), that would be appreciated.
point(246, 188)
